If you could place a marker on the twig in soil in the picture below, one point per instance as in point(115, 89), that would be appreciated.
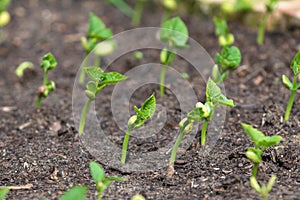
point(21, 187)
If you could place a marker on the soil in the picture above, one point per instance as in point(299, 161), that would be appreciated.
point(41, 146)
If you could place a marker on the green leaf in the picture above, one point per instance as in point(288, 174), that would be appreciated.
point(111, 78)
point(269, 141)
point(286, 82)
point(222, 100)
point(212, 90)
point(295, 65)
point(123, 7)
point(95, 73)
point(4, 4)
point(97, 172)
point(253, 133)
point(97, 28)
point(254, 155)
point(174, 31)
point(215, 73)
point(48, 62)
point(221, 27)
point(229, 58)
point(75, 193)
point(148, 108)
point(223, 77)
point(271, 5)
point(195, 115)
point(23, 66)
point(3, 192)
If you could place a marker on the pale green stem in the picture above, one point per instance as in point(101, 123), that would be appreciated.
point(83, 116)
point(175, 147)
point(261, 30)
point(82, 73)
point(125, 145)
point(38, 102)
point(203, 132)
point(45, 80)
point(291, 101)
point(97, 61)
point(136, 18)
point(162, 80)
point(254, 170)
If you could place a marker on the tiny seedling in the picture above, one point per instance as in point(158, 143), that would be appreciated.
point(102, 181)
point(22, 67)
point(214, 97)
point(3, 192)
point(292, 86)
point(97, 32)
point(229, 59)
point(4, 15)
point(175, 33)
point(48, 63)
point(77, 192)
point(222, 31)
point(142, 114)
point(254, 154)
point(138, 55)
point(270, 7)
point(99, 81)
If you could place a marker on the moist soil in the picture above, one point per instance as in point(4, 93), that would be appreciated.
point(41, 146)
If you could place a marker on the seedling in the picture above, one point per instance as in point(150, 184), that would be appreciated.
point(292, 86)
point(270, 7)
point(22, 67)
point(214, 97)
point(97, 32)
point(229, 59)
point(175, 33)
point(254, 154)
point(222, 31)
point(142, 114)
point(238, 6)
point(48, 63)
point(102, 183)
point(3, 193)
point(99, 81)
point(76, 192)
point(4, 15)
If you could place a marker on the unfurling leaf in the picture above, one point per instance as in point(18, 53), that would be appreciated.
point(148, 107)
point(212, 90)
point(97, 29)
point(174, 31)
point(111, 78)
point(229, 58)
point(222, 100)
point(295, 64)
point(268, 141)
point(95, 73)
point(48, 62)
point(196, 114)
point(253, 133)
point(221, 26)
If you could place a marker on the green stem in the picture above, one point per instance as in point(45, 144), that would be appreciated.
point(175, 147)
point(99, 195)
point(203, 132)
point(291, 101)
point(82, 73)
point(45, 80)
point(261, 30)
point(165, 16)
point(254, 170)
point(83, 116)
point(125, 145)
point(162, 80)
point(38, 102)
point(136, 18)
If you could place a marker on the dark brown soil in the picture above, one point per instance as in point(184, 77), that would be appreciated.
point(41, 147)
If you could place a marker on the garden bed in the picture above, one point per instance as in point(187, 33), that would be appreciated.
point(41, 146)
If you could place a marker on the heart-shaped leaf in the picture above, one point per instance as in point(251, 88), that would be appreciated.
point(48, 62)
point(111, 78)
point(95, 73)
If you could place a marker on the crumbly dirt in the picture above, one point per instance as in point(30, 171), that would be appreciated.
point(41, 146)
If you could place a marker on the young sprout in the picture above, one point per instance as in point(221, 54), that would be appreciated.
point(175, 33)
point(48, 63)
point(22, 67)
point(270, 7)
point(4, 15)
point(254, 154)
point(214, 97)
point(229, 59)
point(99, 81)
point(97, 32)
point(222, 31)
point(3, 192)
point(76, 192)
point(142, 114)
point(102, 181)
point(292, 86)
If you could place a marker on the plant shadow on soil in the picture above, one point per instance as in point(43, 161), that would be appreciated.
point(41, 147)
